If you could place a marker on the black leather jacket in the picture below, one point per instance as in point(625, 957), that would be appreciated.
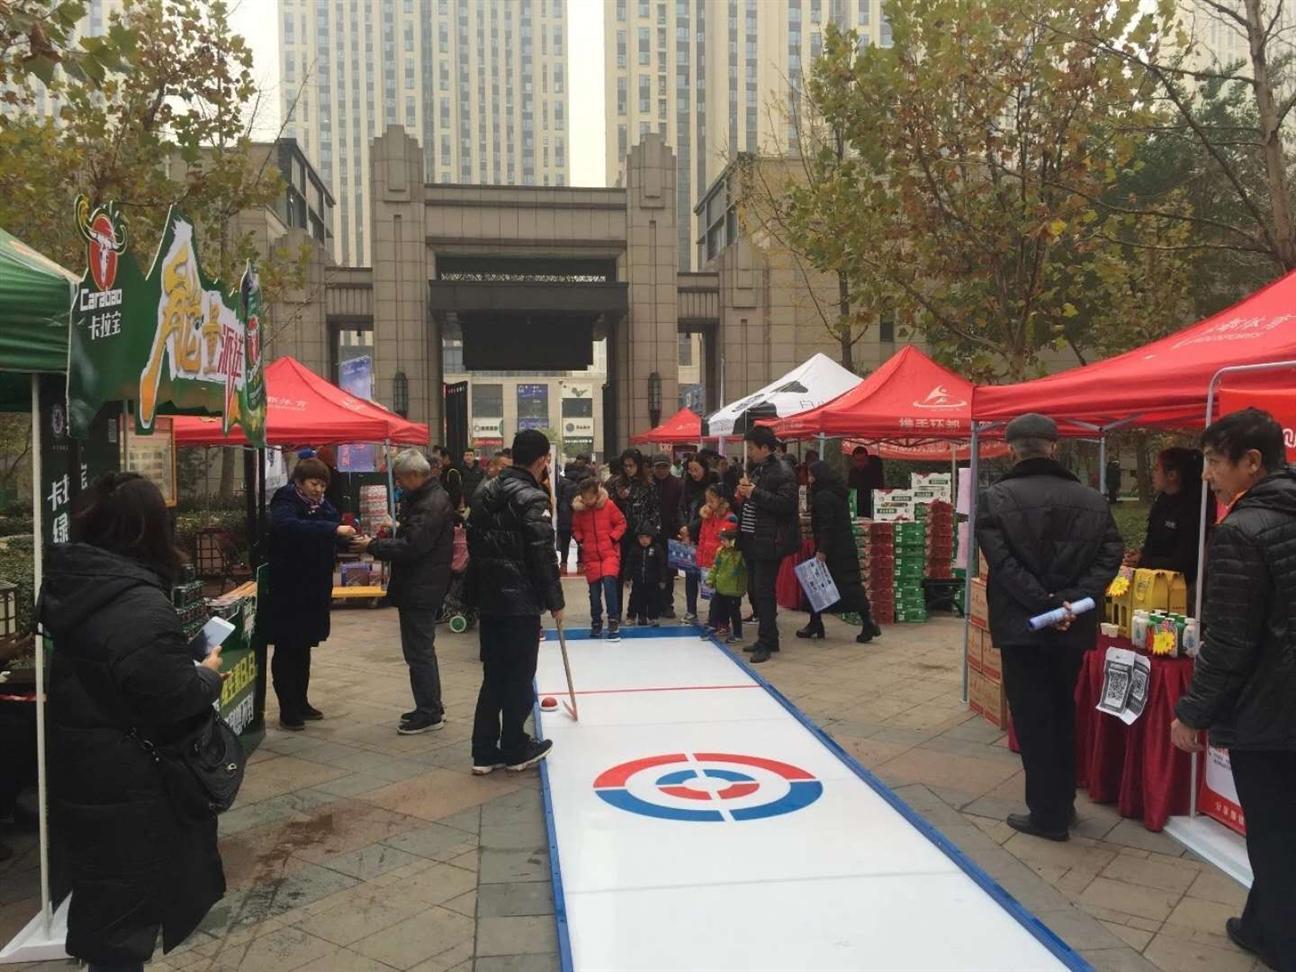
point(1047, 539)
point(1244, 682)
point(513, 565)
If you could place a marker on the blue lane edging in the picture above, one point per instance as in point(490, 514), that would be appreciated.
point(1024, 917)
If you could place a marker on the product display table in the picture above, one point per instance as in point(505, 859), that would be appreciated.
point(1136, 767)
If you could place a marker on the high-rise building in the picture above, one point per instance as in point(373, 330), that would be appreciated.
point(482, 85)
point(715, 78)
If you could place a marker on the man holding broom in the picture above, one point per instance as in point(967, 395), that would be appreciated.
point(513, 576)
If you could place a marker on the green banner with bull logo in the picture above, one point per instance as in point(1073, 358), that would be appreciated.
point(168, 343)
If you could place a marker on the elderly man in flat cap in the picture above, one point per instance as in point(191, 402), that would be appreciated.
point(1049, 542)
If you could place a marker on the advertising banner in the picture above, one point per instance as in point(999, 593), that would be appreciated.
point(532, 406)
point(1278, 402)
point(355, 376)
point(1217, 797)
point(488, 431)
point(169, 342)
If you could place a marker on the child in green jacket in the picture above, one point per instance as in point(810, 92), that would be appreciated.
point(728, 578)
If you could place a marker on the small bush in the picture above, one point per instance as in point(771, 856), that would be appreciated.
point(17, 566)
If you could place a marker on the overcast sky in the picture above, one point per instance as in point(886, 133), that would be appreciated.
point(584, 74)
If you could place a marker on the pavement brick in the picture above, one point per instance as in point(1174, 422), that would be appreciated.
point(520, 898)
point(436, 842)
point(508, 866)
point(516, 935)
point(423, 936)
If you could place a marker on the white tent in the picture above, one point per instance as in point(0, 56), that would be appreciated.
point(809, 385)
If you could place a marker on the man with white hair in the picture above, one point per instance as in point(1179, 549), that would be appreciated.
point(420, 555)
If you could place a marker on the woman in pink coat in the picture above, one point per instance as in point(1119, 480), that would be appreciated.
point(598, 526)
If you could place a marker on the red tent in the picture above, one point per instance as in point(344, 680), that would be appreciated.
point(926, 450)
point(684, 426)
point(910, 397)
point(303, 408)
point(1163, 384)
point(1280, 402)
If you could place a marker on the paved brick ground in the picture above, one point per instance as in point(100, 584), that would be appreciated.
point(355, 849)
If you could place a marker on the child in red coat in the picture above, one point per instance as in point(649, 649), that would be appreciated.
point(597, 526)
point(711, 523)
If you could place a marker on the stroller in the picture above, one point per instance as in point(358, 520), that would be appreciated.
point(457, 611)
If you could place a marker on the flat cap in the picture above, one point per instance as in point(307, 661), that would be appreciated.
point(1032, 425)
point(661, 459)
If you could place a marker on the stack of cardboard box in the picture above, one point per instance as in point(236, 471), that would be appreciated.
point(940, 541)
point(876, 545)
point(985, 675)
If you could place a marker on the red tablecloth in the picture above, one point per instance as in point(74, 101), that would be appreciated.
point(1135, 767)
point(787, 589)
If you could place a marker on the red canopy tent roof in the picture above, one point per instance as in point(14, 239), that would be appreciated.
point(927, 450)
point(301, 407)
point(910, 397)
point(684, 426)
point(1165, 383)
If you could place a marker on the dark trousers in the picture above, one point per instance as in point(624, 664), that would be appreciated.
point(418, 643)
point(1266, 786)
point(667, 597)
point(290, 670)
point(564, 547)
point(1040, 684)
point(645, 600)
point(763, 574)
point(726, 612)
point(608, 590)
point(692, 584)
point(509, 649)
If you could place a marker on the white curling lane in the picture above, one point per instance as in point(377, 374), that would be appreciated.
point(698, 821)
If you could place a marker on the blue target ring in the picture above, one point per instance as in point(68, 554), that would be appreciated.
point(709, 787)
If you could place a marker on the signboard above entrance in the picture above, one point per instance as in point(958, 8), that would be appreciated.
point(169, 342)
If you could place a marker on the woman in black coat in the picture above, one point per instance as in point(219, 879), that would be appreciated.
point(835, 546)
point(304, 538)
point(121, 664)
point(632, 491)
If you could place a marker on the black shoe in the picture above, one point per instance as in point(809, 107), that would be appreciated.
point(812, 631)
point(407, 716)
point(535, 752)
point(419, 723)
point(291, 725)
point(864, 637)
point(760, 654)
point(614, 631)
point(311, 714)
point(1233, 929)
point(596, 629)
point(484, 767)
point(1023, 823)
point(873, 627)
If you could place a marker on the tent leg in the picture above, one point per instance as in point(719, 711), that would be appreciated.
point(1102, 462)
point(250, 499)
point(391, 481)
point(42, 794)
point(971, 568)
point(261, 504)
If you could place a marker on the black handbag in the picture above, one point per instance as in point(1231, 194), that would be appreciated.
point(202, 772)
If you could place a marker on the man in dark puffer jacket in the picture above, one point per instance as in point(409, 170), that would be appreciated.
point(1049, 541)
point(1244, 683)
point(420, 555)
point(513, 571)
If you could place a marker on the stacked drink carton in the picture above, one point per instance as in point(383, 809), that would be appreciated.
point(940, 540)
point(910, 560)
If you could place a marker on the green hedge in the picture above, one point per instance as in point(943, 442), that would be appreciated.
point(188, 524)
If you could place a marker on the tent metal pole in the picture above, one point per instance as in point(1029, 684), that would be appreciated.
point(1102, 460)
point(970, 569)
point(391, 481)
point(42, 789)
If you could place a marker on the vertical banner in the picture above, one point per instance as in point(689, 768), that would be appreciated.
point(168, 342)
point(1217, 796)
point(532, 406)
point(66, 471)
point(456, 418)
point(355, 377)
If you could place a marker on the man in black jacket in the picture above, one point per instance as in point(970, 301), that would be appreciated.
point(514, 571)
point(770, 530)
point(472, 474)
point(1244, 683)
point(420, 555)
point(670, 496)
point(1048, 541)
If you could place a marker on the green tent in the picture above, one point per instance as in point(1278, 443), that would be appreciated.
point(36, 296)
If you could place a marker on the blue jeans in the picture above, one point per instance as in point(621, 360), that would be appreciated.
point(608, 589)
